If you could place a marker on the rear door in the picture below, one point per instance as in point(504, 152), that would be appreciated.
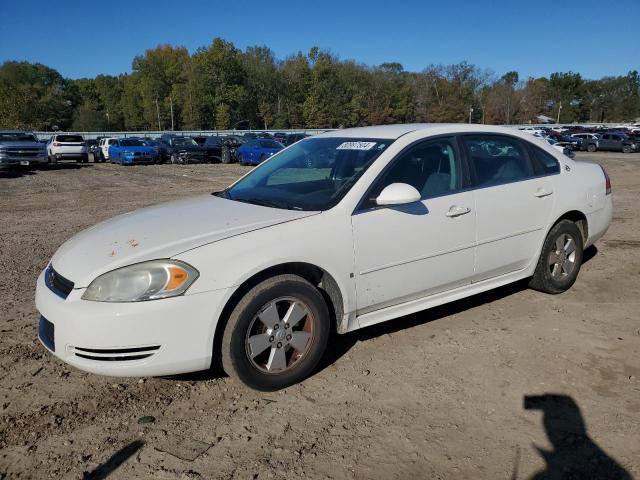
point(513, 198)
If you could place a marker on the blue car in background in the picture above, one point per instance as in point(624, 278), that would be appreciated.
point(131, 151)
point(256, 151)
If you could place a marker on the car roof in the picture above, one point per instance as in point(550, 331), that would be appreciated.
point(392, 132)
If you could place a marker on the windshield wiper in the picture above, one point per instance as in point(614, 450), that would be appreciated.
point(265, 203)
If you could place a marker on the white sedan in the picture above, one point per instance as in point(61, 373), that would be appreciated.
point(339, 231)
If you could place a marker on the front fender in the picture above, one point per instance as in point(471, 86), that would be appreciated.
point(322, 240)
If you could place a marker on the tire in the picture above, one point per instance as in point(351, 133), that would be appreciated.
point(226, 155)
point(626, 149)
point(275, 350)
point(174, 159)
point(591, 148)
point(559, 276)
point(241, 160)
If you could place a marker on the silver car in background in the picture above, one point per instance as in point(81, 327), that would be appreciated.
point(18, 147)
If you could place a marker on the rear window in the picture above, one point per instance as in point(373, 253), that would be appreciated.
point(69, 138)
point(131, 143)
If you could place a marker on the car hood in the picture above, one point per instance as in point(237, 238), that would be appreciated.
point(160, 231)
point(23, 144)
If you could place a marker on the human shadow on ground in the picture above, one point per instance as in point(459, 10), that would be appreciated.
point(105, 469)
point(574, 454)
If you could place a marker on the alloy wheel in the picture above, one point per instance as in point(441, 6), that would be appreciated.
point(562, 259)
point(280, 334)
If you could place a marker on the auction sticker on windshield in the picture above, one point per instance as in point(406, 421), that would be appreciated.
point(356, 146)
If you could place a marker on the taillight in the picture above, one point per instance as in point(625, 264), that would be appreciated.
point(607, 181)
point(56, 144)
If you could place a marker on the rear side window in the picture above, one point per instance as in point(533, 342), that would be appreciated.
point(498, 159)
point(213, 141)
point(546, 163)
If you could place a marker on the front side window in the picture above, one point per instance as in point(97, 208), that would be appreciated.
point(431, 167)
point(498, 159)
point(311, 175)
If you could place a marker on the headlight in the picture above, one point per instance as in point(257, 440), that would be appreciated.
point(143, 281)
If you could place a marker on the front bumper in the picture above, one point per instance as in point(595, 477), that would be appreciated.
point(8, 161)
point(159, 337)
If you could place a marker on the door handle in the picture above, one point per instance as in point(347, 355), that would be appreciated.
point(456, 211)
point(543, 192)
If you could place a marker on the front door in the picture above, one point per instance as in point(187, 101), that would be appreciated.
point(412, 251)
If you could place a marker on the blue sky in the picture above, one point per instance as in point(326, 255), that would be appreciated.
point(534, 37)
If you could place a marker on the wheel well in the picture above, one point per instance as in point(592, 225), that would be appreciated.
point(322, 280)
point(580, 220)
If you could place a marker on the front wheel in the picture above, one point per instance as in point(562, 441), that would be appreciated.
point(626, 149)
point(591, 147)
point(560, 260)
point(226, 155)
point(175, 159)
point(276, 335)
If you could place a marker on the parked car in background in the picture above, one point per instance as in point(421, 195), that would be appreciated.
point(21, 148)
point(292, 138)
point(280, 137)
point(155, 144)
point(64, 146)
point(200, 139)
point(533, 130)
point(257, 151)
point(132, 151)
point(213, 146)
point(104, 144)
point(181, 149)
point(617, 142)
point(589, 140)
point(258, 275)
point(230, 148)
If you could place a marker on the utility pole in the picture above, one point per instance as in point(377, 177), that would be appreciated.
point(559, 110)
point(158, 113)
point(171, 102)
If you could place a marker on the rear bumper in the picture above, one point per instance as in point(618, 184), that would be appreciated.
point(71, 156)
point(160, 337)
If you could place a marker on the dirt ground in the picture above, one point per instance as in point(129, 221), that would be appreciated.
point(439, 394)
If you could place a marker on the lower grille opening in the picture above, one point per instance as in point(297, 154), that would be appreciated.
point(116, 354)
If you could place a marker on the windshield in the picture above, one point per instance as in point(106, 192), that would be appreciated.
point(132, 143)
point(17, 137)
point(311, 175)
point(183, 141)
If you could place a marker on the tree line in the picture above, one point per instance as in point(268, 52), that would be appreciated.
point(222, 87)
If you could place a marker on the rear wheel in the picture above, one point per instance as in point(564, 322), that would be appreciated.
point(276, 334)
point(591, 147)
point(560, 260)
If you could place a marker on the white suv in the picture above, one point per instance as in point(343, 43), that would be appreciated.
point(67, 147)
point(104, 145)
